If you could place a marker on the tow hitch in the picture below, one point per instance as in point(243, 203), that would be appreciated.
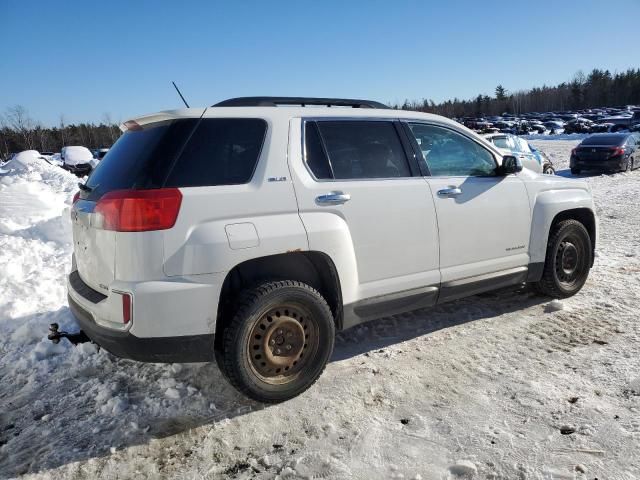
point(75, 338)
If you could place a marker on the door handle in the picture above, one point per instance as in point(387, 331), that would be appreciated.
point(333, 198)
point(449, 192)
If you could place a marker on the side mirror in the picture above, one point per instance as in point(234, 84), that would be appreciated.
point(510, 164)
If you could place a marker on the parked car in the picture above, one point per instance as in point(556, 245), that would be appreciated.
point(531, 158)
point(78, 160)
point(580, 125)
point(99, 153)
point(251, 233)
point(606, 152)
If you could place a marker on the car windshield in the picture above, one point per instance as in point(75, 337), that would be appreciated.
point(605, 140)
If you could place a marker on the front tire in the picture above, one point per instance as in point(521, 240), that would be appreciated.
point(278, 342)
point(575, 171)
point(568, 260)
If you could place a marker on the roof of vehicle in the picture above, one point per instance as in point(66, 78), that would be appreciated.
point(606, 138)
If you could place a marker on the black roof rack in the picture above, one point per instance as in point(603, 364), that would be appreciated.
point(274, 101)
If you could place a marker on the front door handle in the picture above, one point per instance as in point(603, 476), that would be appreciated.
point(333, 198)
point(449, 192)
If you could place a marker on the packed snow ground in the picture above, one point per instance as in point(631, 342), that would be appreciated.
point(479, 388)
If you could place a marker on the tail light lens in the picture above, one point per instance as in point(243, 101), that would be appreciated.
point(617, 151)
point(138, 210)
point(76, 197)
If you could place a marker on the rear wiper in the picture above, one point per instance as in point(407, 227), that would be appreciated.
point(84, 187)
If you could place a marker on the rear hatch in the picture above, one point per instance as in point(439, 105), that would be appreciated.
point(139, 160)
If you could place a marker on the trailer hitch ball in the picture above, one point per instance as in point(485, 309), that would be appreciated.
point(75, 338)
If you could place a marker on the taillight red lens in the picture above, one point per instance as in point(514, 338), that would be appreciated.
point(76, 197)
point(139, 210)
point(617, 151)
point(126, 307)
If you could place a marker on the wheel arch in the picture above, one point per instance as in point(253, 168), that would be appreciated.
point(314, 268)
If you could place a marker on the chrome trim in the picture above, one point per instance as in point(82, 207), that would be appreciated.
point(450, 192)
point(333, 198)
point(485, 276)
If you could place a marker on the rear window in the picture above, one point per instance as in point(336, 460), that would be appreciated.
point(181, 153)
point(604, 140)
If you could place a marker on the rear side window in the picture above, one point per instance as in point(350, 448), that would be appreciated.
point(181, 153)
point(220, 152)
point(355, 149)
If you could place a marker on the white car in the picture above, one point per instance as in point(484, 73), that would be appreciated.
point(78, 160)
point(530, 158)
point(251, 233)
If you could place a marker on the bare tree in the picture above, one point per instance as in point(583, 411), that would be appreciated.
point(18, 119)
point(113, 130)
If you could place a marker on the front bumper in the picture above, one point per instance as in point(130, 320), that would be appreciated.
point(80, 170)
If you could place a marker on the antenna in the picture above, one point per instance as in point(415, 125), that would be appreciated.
point(180, 93)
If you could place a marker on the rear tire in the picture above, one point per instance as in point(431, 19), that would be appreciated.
point(568, 260)
point(628, 166)
point(575, 171)
point(278, 342)
point(549, 170)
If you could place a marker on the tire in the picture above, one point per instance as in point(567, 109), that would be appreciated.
point(575, 171)
point(627, 166)
point(568, 260)
point(279, 341)
point(549, 170)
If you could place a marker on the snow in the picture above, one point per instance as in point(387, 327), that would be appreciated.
point(479, 388)
point(76, 155)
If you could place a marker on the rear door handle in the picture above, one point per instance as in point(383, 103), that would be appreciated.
point(333, 198)
point(449, 192)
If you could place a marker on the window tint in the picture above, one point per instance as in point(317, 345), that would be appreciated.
point(604, 140)
point(448, 153)
point(222, 151)
point(363, 149)
point(314, 153)
point(140, 159)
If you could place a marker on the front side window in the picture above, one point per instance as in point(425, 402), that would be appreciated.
point(354, 149)
point(448, 153)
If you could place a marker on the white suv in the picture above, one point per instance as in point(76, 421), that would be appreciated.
point(253, 230)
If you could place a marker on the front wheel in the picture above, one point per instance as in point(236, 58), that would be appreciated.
point(548, 170)
point(568, 260)
point(278, 342)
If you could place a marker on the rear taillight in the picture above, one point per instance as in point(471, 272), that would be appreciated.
point(138, 210)
point(615, 151)
point(76, 197)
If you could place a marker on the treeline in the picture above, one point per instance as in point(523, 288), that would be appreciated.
point(18, 132)
point(600, 88)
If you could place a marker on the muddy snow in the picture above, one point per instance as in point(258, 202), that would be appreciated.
point(506, 385)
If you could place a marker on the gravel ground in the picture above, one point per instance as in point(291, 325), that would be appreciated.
point(505, 385)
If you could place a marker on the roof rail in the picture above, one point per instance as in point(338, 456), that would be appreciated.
point(303, 101)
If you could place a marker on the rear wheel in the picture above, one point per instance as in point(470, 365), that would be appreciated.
point(568, 260)
point(549, 170)
point(575, 171)
point(279, 341)
point(628, 166)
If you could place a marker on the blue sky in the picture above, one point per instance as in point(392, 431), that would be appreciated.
point(84, 59)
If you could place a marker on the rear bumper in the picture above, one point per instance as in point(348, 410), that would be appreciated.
point(172, 321)
point(188, 348)
point(615, 163)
